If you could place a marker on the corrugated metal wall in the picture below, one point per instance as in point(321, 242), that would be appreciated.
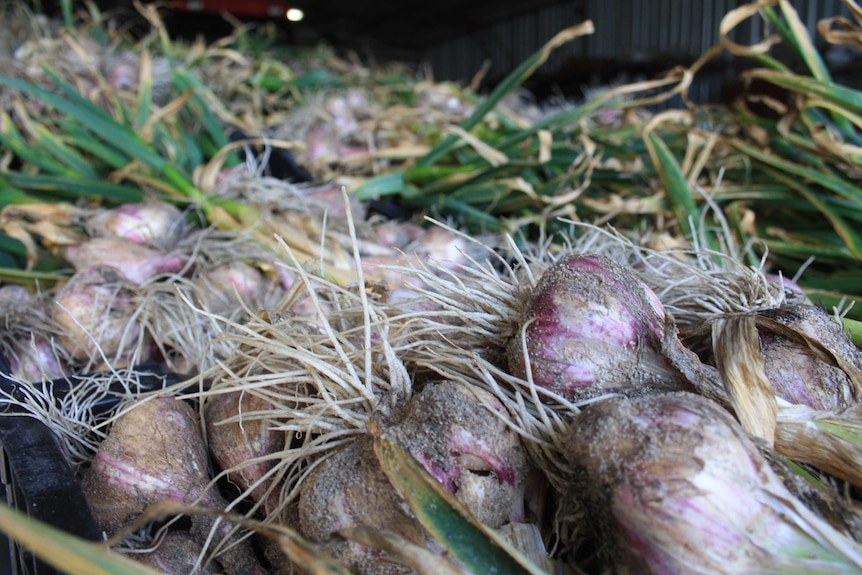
point(627, 32)
point(686, 25)
point(505, 45)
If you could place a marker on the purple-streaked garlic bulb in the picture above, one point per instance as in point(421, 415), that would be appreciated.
point(800, 374)
point(221, 289)
point(155, 452)
point(592, 327)
point(242, 442)
point(95, 312)
point(155, 223)
point(459, 434)
point(672, 484)
point(135, 262)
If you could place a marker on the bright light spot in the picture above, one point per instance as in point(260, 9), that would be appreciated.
point(295, 14)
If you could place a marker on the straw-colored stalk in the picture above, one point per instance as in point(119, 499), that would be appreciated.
point(738, 357)
point(828, 440)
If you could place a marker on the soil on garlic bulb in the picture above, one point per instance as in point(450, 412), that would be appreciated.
point(672, 483)
point(458, 433)
point(348, 489)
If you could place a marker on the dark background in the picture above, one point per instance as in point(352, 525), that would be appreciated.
point(455, 39)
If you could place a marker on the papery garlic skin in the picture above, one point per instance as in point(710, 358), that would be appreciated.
point(37, 359)
point(153, 452)
point(224, 288)
point(348, 489)
point(178, 554)
point(244, 444)
point(458, 434)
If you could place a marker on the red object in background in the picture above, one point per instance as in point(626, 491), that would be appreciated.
point(249, 8)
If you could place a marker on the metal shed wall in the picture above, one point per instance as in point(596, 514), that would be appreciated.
point(627, 32)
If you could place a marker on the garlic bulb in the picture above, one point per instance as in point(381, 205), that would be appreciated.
point(592, 327)
point(95, 312)
point(460, 436)
point(156, 224)
point(240, 439)
point(808, 358)
point(135, 262)
point(154, 452)
point(223, 288)
point(672, 484)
